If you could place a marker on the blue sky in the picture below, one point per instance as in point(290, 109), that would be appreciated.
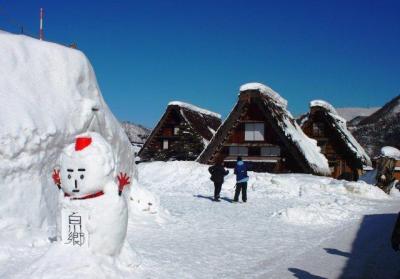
point(147, 53)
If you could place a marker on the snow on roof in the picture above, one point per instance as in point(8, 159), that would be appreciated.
point(267, 91)
point(323, 104)
point(307, 146)
point(202, 122)
point(194, 108)
point(350, 141)
point(330, 109)
point(391, 152)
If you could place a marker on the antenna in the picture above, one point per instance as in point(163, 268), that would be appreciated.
point(41, 25)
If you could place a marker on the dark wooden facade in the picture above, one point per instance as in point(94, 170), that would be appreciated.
point(279, 159)
point(181, 134)
point(269, 150)
point(320, 125)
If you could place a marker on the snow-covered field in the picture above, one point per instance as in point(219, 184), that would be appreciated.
point(283, 228)
point(292, 226)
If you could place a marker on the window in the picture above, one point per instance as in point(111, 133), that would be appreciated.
point(165, 144)
point(176, 130)
point(254, 132)
point(238, 150)
point(318, 129)
point(274, 151)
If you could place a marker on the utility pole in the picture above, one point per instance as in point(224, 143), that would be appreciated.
point(41, 25)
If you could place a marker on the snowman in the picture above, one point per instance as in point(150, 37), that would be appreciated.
point(93, 212)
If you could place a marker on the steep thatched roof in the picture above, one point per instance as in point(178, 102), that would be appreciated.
point(202, 121)
point(340, 128)
point(274, 107)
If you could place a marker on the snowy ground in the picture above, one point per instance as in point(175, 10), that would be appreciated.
point(293, 226)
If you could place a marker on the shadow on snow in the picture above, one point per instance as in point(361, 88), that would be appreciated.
point(371, 255)
point(211, 198)
point(301, 274)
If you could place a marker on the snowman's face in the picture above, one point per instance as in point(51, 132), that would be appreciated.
point(80, 177)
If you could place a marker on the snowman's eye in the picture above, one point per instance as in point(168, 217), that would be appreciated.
point(69, 176)
point(82, 176)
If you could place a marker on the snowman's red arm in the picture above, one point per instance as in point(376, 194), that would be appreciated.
point(56, 178)
point(123, 180)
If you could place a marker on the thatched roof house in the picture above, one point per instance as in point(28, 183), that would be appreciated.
point(181, 134)
point(262, 131)
point(345, 155)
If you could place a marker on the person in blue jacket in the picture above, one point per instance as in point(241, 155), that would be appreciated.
point(241, 180)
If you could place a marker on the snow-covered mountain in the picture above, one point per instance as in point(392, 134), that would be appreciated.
point(388, 111)
point(351, 113)
point(137, 134)
point(380, 128)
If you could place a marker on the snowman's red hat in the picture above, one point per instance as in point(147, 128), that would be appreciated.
point(82, 142)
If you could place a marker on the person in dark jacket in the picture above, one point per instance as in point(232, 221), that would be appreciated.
point(396, 235)
point(218, 172)
point(241, 180)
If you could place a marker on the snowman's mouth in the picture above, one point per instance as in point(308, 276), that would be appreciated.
point(75, 191)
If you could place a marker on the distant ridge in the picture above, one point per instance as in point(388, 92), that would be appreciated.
point(380, 128)
point(390, 109)
point(136, 133)
point(351, 113)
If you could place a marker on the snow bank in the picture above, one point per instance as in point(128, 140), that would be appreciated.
point(301, 199)
point(266, 91)
point(194, 108)
point(48, 95)
point(391, 152)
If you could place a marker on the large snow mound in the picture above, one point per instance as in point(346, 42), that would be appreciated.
point(48, 95)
